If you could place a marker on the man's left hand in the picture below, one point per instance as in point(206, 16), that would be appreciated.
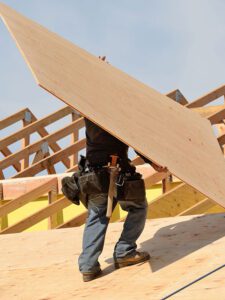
point(159, 168)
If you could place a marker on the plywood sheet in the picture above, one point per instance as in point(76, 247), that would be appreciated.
point(150, 122)
point(43, 265)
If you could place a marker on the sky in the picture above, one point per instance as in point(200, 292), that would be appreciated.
point(166, 44)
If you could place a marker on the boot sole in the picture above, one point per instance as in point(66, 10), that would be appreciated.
point(119, 265)
point(89, 277)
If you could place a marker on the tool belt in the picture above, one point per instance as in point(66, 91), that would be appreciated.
point(94, 180)
point(70, 188)
point(131, 187)
point(85, 181)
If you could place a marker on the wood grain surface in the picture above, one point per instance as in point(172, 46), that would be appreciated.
point(43, 265)
point(153, 124)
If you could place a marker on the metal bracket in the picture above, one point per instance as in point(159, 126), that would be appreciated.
point(45, 148)
point(27, 116)
point(178, 96)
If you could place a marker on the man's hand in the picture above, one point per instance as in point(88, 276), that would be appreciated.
point(103, 58)
point(159, 168)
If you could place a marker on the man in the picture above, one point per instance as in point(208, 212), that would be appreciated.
point(100, 146)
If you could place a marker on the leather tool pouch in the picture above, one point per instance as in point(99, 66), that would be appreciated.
point(132, 190)
point(94, 182)
point(70, 189)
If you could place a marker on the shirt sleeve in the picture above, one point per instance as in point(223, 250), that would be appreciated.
point(146, 160)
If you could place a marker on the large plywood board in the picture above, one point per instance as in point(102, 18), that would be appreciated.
point(43, 265)
point(150, 122)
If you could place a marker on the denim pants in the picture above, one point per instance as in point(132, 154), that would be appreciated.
point(96, 226)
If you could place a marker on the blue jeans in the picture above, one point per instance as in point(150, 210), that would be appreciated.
point(96, 226)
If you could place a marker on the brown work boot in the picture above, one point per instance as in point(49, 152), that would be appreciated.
point(130, 260)
point(88, 276)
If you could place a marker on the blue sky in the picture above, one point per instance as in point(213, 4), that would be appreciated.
point(167, 44)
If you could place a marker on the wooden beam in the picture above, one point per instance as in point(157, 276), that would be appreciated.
point(3, 219)
point(38, 216)
point(1, 175)
point(38, 125)
point(13, 118)
point(57, 218)
point(74, 138)
point(207, 111)
point(39, 155)
point(221, 139)
point(167, 184)
point(6, 152)
point(29, 196)
point(174, 202)
point(205, 99)
point(74, 222)
point(217, 117)
point(35, 126)
point(178, 97)
point(45, 141)
point(25, 143)
point(54, 146)
point(51, 160)
point(199, 208)
point(14, 188)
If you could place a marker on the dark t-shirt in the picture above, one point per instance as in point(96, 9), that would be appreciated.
point(101, 144)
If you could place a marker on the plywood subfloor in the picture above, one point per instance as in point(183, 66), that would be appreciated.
point(150, 122)
point(44, 265)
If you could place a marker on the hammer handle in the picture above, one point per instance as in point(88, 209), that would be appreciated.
point(113, 175)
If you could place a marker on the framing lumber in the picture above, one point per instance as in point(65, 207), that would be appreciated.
point(13, 118)
point(25, 143)
point(51, 160)
point(173, 202)
point(209, 97)
point(208, 110)
point(74, 222)
point(4, 219)
point(49, 139)
point(91, 86)
point(36, 126)
point(38, 216)
point(221, 139)
point(177, 96)
point(13, 188)
point(217, 117)
point(198, 208)
point(74, 138)
point(6, 152)
point(29, 196)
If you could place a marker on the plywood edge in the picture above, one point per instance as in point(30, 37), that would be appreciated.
point(137, 89)
point(3, 14)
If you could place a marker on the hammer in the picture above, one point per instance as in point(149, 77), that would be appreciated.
point(114, 170)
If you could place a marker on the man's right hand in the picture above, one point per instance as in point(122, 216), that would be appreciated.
point(159, 168)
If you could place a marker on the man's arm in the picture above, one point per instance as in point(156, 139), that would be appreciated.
point(157, 167)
